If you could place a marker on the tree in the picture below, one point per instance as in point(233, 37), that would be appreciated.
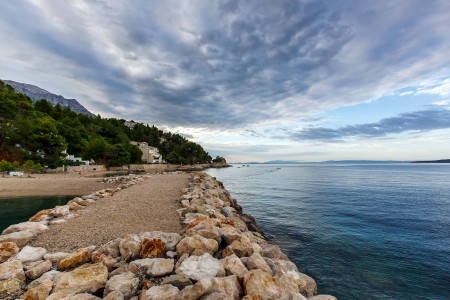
point(118, 156)
point(29, 166)
point(8, 166)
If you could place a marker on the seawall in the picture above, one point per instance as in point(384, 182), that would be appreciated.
point(220, 254)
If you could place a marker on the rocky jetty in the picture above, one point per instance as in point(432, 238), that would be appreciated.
point(220, 254)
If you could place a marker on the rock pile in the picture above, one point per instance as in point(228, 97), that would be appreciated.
point(220, 254)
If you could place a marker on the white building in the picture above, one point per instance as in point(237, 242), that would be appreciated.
point(149, 154)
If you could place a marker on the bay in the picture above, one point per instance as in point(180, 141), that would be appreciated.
point(361, 231)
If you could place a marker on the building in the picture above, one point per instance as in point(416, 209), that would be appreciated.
point(149, 154)
point(75, 158)
point(130, 124)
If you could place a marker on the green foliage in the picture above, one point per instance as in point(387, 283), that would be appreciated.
point(8, 166)
point(40, 133)
point(29, 166)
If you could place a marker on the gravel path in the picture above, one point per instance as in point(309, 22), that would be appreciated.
point(147, 206)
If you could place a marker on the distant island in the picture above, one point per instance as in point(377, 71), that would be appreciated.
point(293, 162)
point(439, 161)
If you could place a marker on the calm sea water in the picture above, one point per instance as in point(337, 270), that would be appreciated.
point(20, 209)
point(362, 231)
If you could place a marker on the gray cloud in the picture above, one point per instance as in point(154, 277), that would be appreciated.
point(223, 63)
point(425, 120)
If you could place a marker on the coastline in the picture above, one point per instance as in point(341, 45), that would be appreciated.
point(220, 254)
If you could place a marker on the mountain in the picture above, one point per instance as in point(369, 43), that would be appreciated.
point(439, 161)
point(36, 93)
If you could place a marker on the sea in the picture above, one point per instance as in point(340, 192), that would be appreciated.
point(362, 231)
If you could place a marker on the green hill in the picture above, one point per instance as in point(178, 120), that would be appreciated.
point(41, 132)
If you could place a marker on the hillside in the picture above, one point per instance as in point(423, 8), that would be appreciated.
point(36, 93)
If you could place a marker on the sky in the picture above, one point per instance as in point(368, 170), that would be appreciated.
point(253, 80)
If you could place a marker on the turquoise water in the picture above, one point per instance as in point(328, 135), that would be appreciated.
point(14, 210)
point(362, 231)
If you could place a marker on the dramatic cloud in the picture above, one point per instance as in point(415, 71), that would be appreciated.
point(425, 120)
point(222, 64)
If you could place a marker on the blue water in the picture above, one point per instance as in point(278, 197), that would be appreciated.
point(361, 231)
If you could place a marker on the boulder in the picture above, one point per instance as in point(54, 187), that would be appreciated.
point(205, 230)
point(169, 239)
point(152, 248)
point(60, 211)
point(40, 216)
point(214, 288)
point(178, 280)
point(20, 238)
point(273, 251)
point(30, 254)
point(74, 259)
point(10, 287)
point(55, 257)
point(230, 234)
point(7, 249)
point(38, 270)
point(286, 285)
point(160, 267)
point(242, 247)
point(87, 278)
point(197, 267)
point(108, 261)
point(109, 249)
point(234, 266)
point(33, 227)
point(12, 269)
point(130, 246)
point(161, 292)
point(49, 275)
point(74, 206)
point(115, 295)
point(39, 292)
point(256, 261)
point(257, 282)
point(82, 296)
point(125, 283)
point(197, 245)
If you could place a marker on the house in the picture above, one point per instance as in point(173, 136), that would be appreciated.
point(75, 158)
point(130, 124)
point(149, 154)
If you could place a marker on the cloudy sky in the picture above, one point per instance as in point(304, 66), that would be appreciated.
point(251, 80)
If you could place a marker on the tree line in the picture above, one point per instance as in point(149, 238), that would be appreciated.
point(41, 132)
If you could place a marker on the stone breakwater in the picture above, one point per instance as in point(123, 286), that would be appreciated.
point(220, 254)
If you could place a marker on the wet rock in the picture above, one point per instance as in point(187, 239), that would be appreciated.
point(178, 280)
point(20, 238)
point(152, 248)
point(234, 266)
point(197, 245)
point(273, 251)
point(125, 283)
point(38, 270)
point(7, 249)
point(130, 246)
point(30, 254)
point(87, 278)
point(197, 267)
point(161, 292)
point(75, 259)
point(257, 282)
point(256, 261)
point(12, 269)
point(322, 297)
point(39, 292)
point(26, 226)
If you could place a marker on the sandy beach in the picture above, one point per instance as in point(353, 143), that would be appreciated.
point(147, 206)
point(51, 184)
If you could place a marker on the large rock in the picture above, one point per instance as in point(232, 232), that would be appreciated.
point(74, 259)
point(178, 280)
point(230, 234)
point(20, 238)
point(234, 266)
point(39, 292)
point(259, 283)
point(198, 267)
point(197, 245)
point(130, 246)
point(108, 261)
point(126, 283)
point(161, 292)
point(30, 254)
point(38, 270)
point(160, 267)
point(169, 239)
point(55, 257)
point(60, 211)
point(242, 247)
point(115, 295)
point(83, 296)
point(109, 249)
point(205, 230)
point(286, 285)
point(152, 248)
point(273, 251)
point(256, 261)
point(10, 287)
point(322, 297)
point(33, 227)
point(50, 275)
point(12, 269)
point(214, 288)
point(40, 216)
point(87, 278)
point(7, 250)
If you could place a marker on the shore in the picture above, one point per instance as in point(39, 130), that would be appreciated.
point(51, 184)
point(218, 254)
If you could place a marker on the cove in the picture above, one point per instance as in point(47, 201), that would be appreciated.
point(14, 210)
